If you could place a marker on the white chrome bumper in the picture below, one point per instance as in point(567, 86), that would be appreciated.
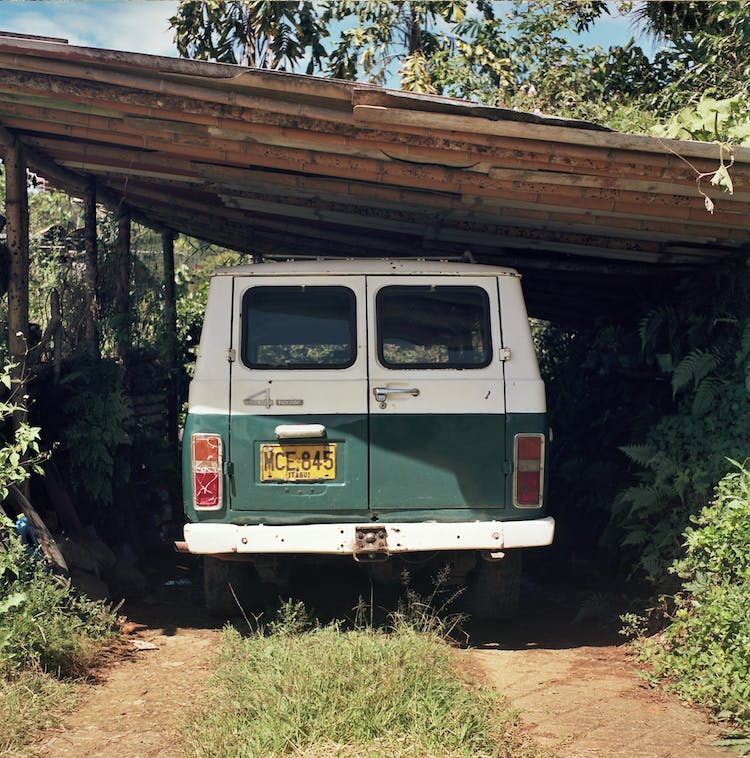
point(341, 539)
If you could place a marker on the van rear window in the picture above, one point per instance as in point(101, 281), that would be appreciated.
point(433, 327)
point(298, 327)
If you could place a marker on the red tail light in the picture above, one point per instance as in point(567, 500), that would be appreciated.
point(207, 460)
point(528, 481)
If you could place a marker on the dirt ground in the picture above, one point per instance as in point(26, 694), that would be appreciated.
point(576, 690)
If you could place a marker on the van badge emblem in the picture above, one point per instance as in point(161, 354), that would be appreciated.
point(260, 398)
point(264, 399)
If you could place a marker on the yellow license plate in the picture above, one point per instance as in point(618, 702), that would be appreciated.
point(292, 463)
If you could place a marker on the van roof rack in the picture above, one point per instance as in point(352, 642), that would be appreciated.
point(467, 257)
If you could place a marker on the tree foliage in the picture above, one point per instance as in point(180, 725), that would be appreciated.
point(520, 55)
point(261, 33)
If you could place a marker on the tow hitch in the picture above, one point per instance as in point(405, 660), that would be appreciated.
point(370, 544)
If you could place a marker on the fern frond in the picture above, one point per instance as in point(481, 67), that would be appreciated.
point(744, 354)
point(646, 499)
point(652, 324)
point(694, 367)
point(640, 454)
point(706, 396)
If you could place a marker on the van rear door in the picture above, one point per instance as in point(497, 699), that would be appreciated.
point(436, 398)
point(298, 423)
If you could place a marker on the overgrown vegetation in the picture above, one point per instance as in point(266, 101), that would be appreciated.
point(48, 633)
point(297, 687)
point(44, 625)
point(658, 404)
point(705, 652)
point(49, 636)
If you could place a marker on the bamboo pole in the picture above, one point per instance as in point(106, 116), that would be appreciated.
point(122, 288)
point(91, 325)
point(170, 329)
point(17, 217)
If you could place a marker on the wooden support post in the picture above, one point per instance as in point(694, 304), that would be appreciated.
point(170, 330)
point(122, 289)
point(55, 311)
point(17, 217)
point(91, 323)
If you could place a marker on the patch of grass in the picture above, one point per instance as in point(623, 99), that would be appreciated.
point(322, 691)
point(44, 624)
point(49, 636)
point(28, 703)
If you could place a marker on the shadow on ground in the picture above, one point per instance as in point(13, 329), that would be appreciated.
point(553, 615)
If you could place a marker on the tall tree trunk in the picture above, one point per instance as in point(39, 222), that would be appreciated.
point(170, 329)
point(91, 326)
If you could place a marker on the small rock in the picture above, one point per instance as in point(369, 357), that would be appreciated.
point(144, 645)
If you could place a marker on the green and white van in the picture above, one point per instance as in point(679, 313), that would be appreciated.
point(370, 409)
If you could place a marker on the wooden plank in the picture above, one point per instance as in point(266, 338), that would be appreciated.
point(554, 178)
point(548, 133)
point(292, 215)
point(582, 159)
point(364, 144)
point(107, 84)
point(446, 179)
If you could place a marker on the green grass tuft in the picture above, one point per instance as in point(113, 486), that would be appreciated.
point(28, 703)
point(49, 636)
point(322, 691)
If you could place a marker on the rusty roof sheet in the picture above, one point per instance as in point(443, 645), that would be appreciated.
point(282, 164)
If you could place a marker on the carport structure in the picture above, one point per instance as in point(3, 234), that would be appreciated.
point(286, 165)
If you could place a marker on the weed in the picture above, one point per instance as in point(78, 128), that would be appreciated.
point(44, 624)
point(28, 703)
point(297, 687)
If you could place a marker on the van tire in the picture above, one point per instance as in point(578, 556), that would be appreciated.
point(494, 588)
point(218, 575)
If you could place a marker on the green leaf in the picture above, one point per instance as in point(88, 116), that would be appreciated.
point(15, 600)
point(722, 179)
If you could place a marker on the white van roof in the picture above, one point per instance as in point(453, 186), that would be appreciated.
point(375, 267)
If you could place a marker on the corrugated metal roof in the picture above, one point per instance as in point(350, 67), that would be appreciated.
point(283, 164)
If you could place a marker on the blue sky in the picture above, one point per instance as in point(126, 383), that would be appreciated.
point(140, 27)
point(143, 26)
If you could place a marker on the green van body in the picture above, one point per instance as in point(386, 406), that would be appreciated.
point(369, 409)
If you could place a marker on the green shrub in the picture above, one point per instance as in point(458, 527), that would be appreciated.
point(705, 651)
point(44, 624)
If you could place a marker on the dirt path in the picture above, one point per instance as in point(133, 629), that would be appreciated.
point(578, 696)
point(587, 702)
point(137, 707)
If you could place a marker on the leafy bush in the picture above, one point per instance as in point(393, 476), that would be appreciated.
point(683, 456)
point(705, 651)
point(19, 451)
point(96, 420)
point(701, 342)
point(600, 395)
point(43, 623)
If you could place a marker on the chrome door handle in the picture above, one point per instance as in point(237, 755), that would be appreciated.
point(381, 393)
